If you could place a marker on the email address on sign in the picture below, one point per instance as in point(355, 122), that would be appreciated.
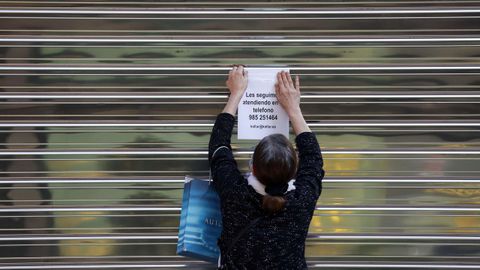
point(262, 126)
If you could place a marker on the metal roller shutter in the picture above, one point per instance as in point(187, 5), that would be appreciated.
point(106, 105)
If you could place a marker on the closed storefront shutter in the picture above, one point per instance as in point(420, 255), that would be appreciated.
point(105, 106)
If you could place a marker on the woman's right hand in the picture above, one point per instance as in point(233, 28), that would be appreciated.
point(288, 93)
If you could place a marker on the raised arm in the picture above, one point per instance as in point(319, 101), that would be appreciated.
point(224, 169)
point(310, 170)
point(288, 95)
point(222, 129)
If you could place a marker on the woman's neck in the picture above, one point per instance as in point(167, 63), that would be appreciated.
point(260, 188)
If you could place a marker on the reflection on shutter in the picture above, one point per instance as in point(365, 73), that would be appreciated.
point(106, 105)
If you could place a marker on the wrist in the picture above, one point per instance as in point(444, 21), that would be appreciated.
point(236, 93)
point(294, 112)
point(232, 104)
point(235, 96)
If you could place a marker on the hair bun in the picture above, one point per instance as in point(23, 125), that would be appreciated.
point(276, 189)
point(273, 204)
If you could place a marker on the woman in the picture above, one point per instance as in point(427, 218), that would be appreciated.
point(266, 217)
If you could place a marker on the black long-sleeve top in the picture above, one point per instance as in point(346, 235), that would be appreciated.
point(276, 241)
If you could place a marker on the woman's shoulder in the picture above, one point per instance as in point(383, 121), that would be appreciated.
point(298, 204)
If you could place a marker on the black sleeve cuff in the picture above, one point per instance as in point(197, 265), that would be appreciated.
point(225, 122)
point(226, 116)
point(306, 138)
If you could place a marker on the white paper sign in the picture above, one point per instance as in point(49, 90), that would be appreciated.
point(259, 113)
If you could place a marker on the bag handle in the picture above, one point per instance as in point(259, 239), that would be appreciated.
point(239, 235)
point(210, 168)
point(242, 232)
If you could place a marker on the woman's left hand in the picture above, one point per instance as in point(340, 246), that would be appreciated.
point(237, 81)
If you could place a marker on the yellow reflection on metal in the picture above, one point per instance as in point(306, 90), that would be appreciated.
point(97, 247)
point(459, 192)
point(466, 224)
point(84, 247)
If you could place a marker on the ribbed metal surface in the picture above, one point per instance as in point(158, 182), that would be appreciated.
point(106, 105)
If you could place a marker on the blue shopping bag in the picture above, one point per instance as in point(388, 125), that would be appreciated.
point(200, 221)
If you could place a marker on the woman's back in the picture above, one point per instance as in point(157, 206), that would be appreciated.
point(276, 241)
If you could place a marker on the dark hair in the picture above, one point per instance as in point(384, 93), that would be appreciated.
point(275, 163)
